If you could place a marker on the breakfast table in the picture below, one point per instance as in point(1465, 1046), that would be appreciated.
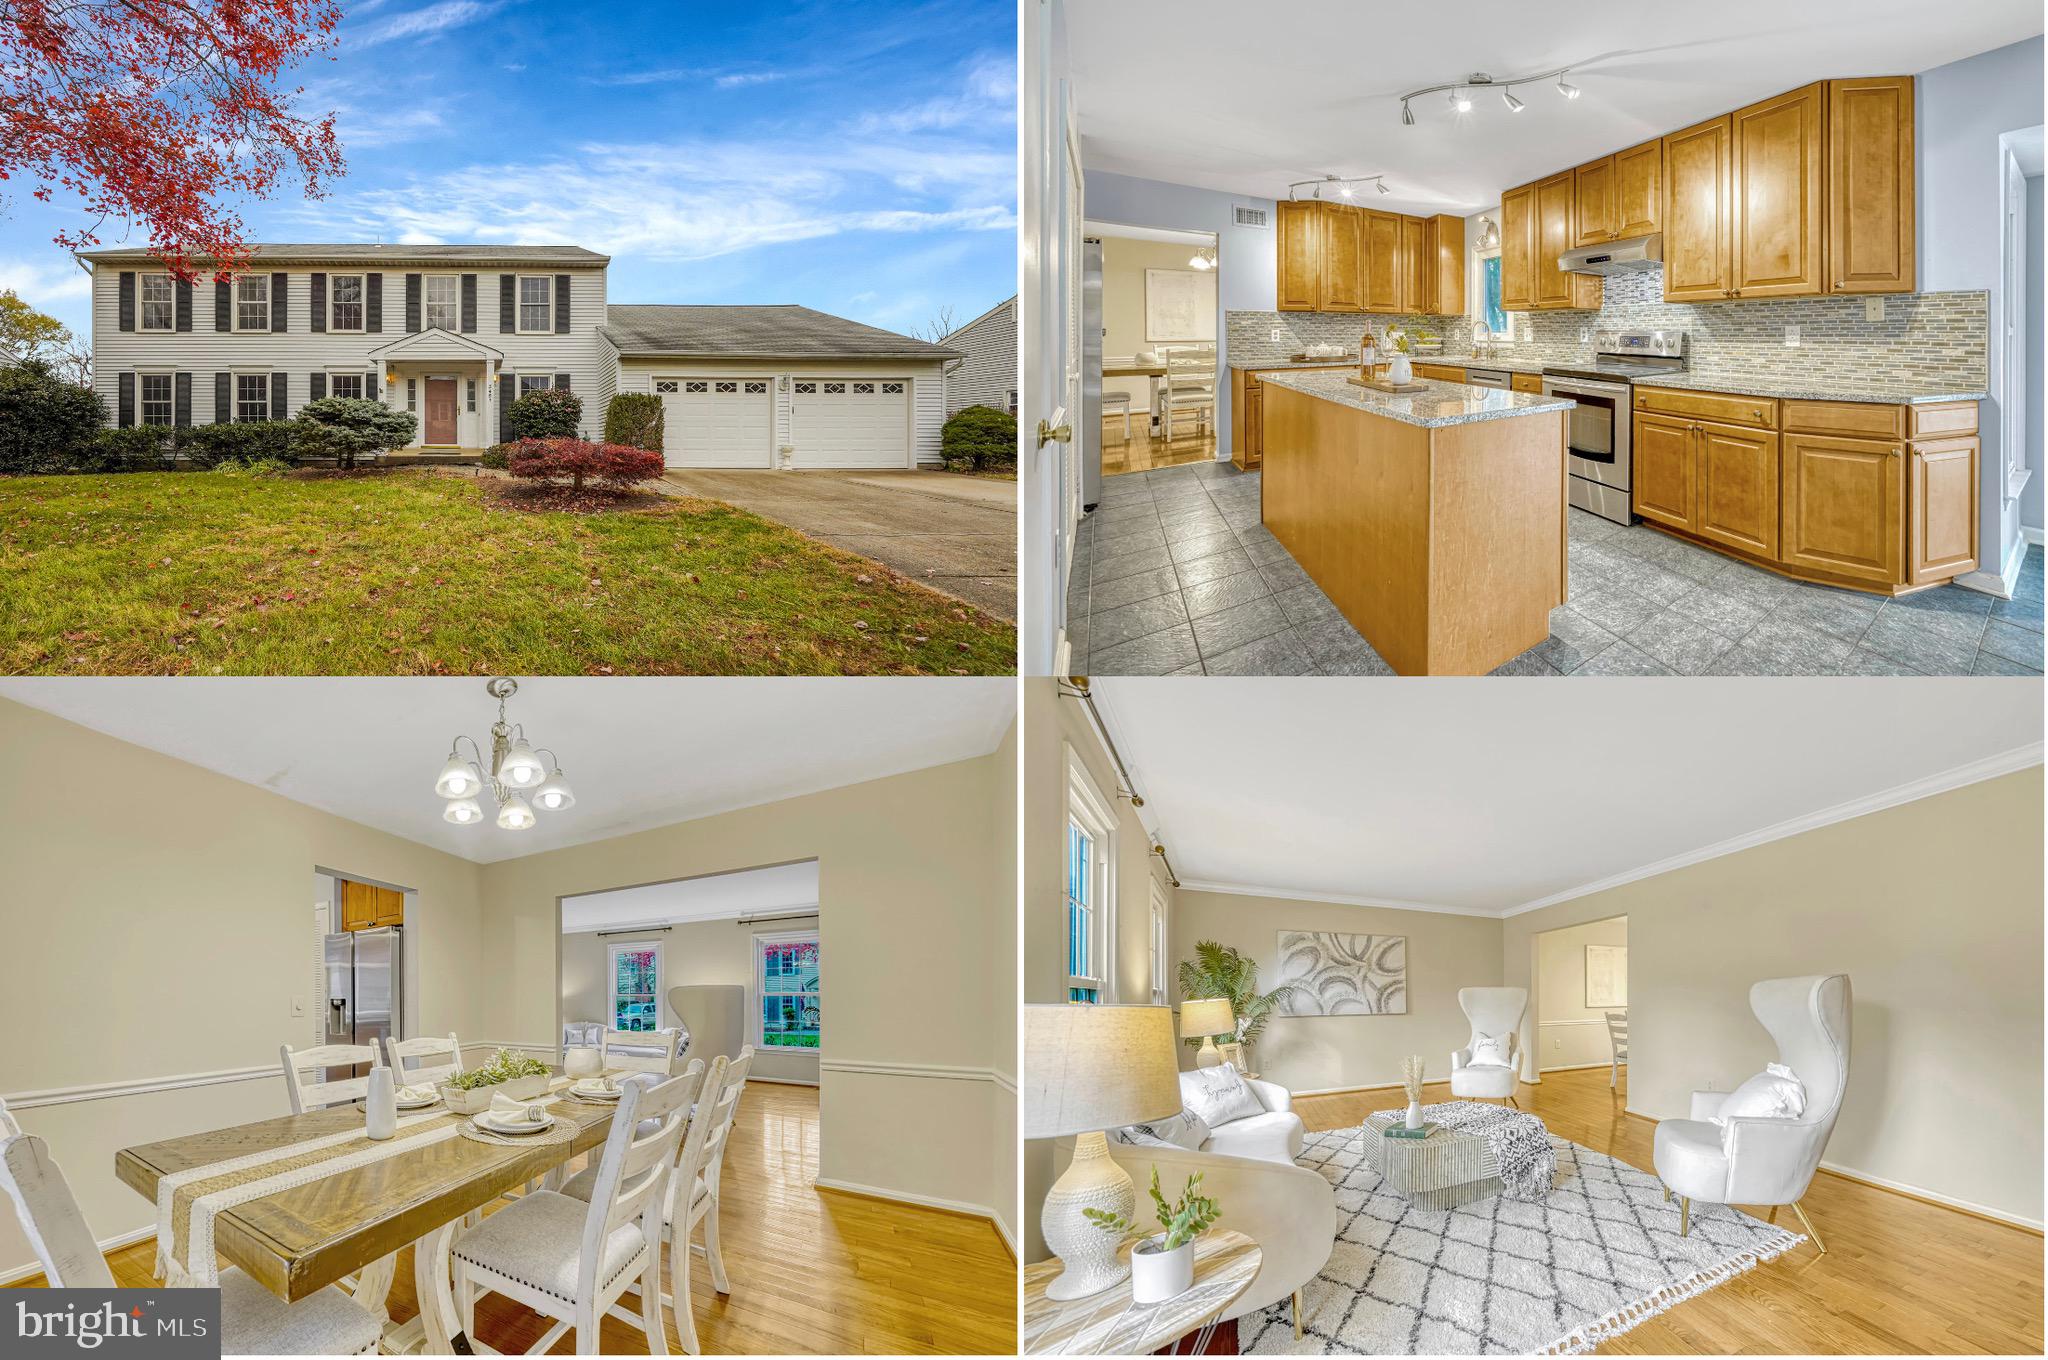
point(1152, 372)
point(302, 1201)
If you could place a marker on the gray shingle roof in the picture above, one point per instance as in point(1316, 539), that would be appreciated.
point(687, 331)
point(391, 254)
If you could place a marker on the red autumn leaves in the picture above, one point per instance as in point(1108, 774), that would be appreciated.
point(575, 461)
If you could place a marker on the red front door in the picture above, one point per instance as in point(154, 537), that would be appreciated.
point(440, 411)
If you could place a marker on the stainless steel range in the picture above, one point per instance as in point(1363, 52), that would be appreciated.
point(1600, 459)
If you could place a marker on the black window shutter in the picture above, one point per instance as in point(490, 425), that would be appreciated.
point(181, 402)
point(316, 387)
point(277, 394)
point(279, 286)
point(412, 303)
point(124, 384)
point(223, 398)
point(561, 304)
point(373, 304)
point(223, 305)
point(127, 302)
point(505, 397)
point(469, 304)
point(508, 315)
point(317, 311)
point(182, 288)
point(370, 387)
point(562, 381)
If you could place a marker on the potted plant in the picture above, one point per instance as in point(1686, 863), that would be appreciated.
point(1220, 970)
point(1163, 1265)
point(517, 1076)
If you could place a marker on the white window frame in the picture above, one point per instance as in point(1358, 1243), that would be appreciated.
point(241, 282)
point(142, 303)
point(334, 378)
point(1476, 291)
point(1159, 943)
point(170, 377)
point(242, 377)
point(1089, 812)
point(757, 989)
point(613, 948)
point(454, 302)
point(520, 304)
point(361, 304)
point(541, 382)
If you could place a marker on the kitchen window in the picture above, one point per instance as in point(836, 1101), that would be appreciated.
point(156, 398)
point(536, 303)
point(441, 297)
point(636, 986)
point(786, 983)
point(159, 303)
point(252, 302)
point(345, 303)
point(1487, 293)
point(346, 385)
point(252, 396)
point(1090, 886)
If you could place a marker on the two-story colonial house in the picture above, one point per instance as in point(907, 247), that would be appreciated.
point(455, 333)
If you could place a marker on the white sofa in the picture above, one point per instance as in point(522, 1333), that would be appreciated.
point(1274, 1136)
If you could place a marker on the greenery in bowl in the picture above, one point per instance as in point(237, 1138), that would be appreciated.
point(504, 1066)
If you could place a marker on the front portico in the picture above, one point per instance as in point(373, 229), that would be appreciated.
point(448, 381)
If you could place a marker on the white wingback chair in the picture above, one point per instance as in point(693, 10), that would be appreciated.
point(1492, 1010)
point(1767, 1161)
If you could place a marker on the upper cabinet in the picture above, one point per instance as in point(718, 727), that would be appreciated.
point(1538, 223)
point(1870, 185)
point(1343, 268)
point(1333, 257)
point(1698, 206)
point(1638, 195)
point(1593, 202)
point(1298, 241)
point(1554, 236)
point(1443, 281)
point(1382, 262)
point(1415, 264)
point(1518, 249)
point(1777, 177)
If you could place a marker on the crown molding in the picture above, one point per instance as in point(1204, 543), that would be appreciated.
point(1337, 899)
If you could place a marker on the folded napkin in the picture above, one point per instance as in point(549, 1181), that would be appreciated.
point(419, 1091)
point(603, 1084)
point(507, 1110)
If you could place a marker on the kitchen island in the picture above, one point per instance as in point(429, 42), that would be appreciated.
point(1434, 520)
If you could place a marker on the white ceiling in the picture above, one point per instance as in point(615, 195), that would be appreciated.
point(639, 753)
point(1472, 796)
point(1245, 100)
point(713, 897)
point(1168, 234)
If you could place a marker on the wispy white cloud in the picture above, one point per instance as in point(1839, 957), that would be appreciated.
point(677, 75)
point(42, 283)
point(434, 18)
point(736, 79)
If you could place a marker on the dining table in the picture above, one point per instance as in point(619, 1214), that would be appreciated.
point(1153, 372)
point(414, 1190)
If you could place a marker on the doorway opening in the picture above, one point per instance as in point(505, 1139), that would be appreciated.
point(1150, 360)
point(1580, 1008)
point(363, 988)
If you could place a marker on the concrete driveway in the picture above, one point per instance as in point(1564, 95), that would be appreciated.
point(955, 534)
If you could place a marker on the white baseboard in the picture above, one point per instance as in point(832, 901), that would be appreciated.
point(1576, 1067)
point(2030, 534)
point(924, 1202)
point(780, 1081)
point(2001, 581)
point(106, 1244)
point(1919, 1192)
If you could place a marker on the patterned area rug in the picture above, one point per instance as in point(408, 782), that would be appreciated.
point(1505, 1276)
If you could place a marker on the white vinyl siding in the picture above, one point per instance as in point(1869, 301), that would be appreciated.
point(153, 394)
point(441, 302)
point(345, 303)
point(252, 302)
point(536, 303)
point(925, 379)
point(159, 299)
point(987, 376)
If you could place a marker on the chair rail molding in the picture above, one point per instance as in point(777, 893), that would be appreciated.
point(937, 1071)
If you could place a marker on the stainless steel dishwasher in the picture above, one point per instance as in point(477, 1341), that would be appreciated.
point(1487, 377)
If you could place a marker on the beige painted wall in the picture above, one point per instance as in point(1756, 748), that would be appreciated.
point(694, 953)
point(1002, 982)
point(161, 916)
point(1569, 1032)
point(1342, 1052)
point(1933, 909)
point(1124, 263)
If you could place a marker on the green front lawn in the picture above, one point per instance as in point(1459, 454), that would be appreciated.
point(418, 572)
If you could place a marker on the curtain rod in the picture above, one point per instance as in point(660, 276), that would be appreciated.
point(642, 930)
point(1077, 688)
point(777, 916)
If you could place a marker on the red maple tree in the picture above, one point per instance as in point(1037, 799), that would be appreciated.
point(156, 112)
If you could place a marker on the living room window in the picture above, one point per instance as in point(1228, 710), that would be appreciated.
point(345, 308)
point(1090, 886)
point(636, 986)
point(345, 385)
point(252, 396)
point(159, 303)
point(536, 304)
point(441, 296)
point(252, 302)
point(1160, 959)
point(535, 382)
point(786, 984)
point(156, 398)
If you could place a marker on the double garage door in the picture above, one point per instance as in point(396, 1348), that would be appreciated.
point(713, 422)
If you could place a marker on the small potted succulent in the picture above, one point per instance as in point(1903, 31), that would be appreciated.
point(518, 1077)
point(1163, 1265)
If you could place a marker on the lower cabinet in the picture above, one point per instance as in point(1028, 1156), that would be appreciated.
point(1253, 453)
point(1843, 502)
point(1736, 503)
point(1663, 472)
point(1941, 540)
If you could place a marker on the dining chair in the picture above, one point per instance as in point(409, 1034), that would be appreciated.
point(1190, 384)
point(322, 1094)
point(571, 1260)
point(1617, 1039)
point(1115, 405)
point(253, 1320)
point(426, 1048)
point(728, 1110)
point(645, 1050)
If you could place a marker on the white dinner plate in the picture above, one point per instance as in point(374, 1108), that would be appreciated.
point(488, 1122)
point(419, 1104)
point(596, 1093)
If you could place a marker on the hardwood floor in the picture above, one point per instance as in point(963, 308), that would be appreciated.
point(1144, 452)
point(812, 1271)
point(1900, 1275)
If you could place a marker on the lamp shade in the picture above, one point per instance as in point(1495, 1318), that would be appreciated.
point(1211, 1015)
point(1089, 1068)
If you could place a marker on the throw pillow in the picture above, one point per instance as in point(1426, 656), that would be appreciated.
point(1490, 1050)
point(1774, 1093)
point(1183, 1130)
point(1217, 1095)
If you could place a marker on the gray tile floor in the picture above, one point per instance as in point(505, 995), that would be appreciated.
point(1174, 575)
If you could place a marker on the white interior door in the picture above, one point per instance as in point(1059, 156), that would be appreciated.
point(711, 422)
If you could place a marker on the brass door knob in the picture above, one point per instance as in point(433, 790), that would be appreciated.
point(1049, 433)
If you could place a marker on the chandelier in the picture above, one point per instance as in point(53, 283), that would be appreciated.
point(515, 771)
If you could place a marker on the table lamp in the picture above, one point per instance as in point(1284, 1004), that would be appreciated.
point(1203, 1020)
point(1086, 1069)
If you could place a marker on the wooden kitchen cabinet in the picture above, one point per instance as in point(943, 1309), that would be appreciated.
point(1248, 422)
point(1663, 473)
point(1298, 242)
point(1638, 193)
point(1593, 202)
point(1415, 265)
point(1443, 238)
point(1535, 228)
point(1870, 185)
point(1698, 206)
point(1525, 382)
point(1440, 372)
point(1941, 538)
point(1382, 256)
point(1736, 499)
point(1777, 161)
point(1842, 506)
point(1341, 287)
point(365, 906)
point(1554, 236)
point(1518, 249)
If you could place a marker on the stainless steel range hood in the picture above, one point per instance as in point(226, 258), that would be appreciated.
point(1615, 257)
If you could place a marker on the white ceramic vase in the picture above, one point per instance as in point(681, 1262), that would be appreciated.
point(380, 1106)
point(1399, 370)
point(583, 1062)
point(1414, 1119)
point(1156, 1275)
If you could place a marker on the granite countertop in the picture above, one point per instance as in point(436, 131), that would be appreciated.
point(1341, 361)
point(1794, 388)
point(1442, 404)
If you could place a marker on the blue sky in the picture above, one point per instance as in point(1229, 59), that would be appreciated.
point(858, 157)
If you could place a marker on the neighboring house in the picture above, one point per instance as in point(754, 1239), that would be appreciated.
point(455, 333)
point(987, 376)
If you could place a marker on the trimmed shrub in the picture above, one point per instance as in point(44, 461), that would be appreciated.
point(241, 441)
point(977, 438)
point(547, 413)
point(348, 428)
point(255, 467)
point(139, 448)
point(45, 422)
point(577, 461)
point(498, 456)
point(634, 419)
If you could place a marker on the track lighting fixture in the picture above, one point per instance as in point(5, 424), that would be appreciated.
point(1508, 97)
point(1565, 87)
point(1407, 115)
point(1460, 92)
point(1345, 185)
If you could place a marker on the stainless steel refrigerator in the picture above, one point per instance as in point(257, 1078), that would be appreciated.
point(1091, 372)
point(365, 988)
